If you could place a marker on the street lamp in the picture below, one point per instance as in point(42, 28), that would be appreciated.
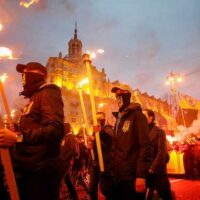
point(172, 80)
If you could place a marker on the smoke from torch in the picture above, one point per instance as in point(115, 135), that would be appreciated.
point(184, 132)
point(28, 4)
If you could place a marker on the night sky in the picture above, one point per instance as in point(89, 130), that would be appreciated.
point(143, 40)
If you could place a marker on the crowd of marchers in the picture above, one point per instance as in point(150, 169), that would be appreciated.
point(46, 155)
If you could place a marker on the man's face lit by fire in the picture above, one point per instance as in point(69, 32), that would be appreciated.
point(101, 119)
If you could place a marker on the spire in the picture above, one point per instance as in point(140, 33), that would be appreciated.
point(75, 31)
point(75, 46)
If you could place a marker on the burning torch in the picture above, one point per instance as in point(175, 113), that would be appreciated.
point(87, 62)
point(80, 85)
point(4, 152)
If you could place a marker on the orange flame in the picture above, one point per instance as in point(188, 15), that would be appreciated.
point(5, 53)
point(28, 4)
point(100, 51)
point(83, 82)
point(3, 77)
point(1, 27)
point(94, 53)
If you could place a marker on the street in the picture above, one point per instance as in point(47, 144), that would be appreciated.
point(183, 189)
point(186, 189)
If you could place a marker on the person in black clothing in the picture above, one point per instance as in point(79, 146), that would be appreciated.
point(3, 190)
point(197, 158)
point(69, 150)
point(36, 152)
point(157, 178)
point(189, 161)
point(79, 163)
point(131, 151)
point(106, 133)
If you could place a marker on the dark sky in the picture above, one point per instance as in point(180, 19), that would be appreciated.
point(143, 40)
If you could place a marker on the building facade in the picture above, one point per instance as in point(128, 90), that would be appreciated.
point(69, 70)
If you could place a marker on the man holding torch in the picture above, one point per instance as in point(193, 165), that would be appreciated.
point(106, 134)
point(36, 144)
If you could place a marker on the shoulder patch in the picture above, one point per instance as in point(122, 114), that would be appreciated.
point(126, 126)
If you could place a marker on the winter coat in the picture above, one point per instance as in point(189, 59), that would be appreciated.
point(69, 151)
point(106, 135)
point(43, 129)
point(160, 155)
point(82, 159)
point(131, 148)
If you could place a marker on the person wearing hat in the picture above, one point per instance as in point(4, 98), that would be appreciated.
point(131, 152)
point(36, 152)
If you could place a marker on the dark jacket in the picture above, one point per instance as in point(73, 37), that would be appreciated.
point(131, 148)
point(105, 135)
point(82, 159)
point(160, 155)
point(43, 129)
point(69, 151)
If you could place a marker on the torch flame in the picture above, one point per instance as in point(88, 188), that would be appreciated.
point(1, 27)
point(5, 53)
point(13, 112)
point(3, 77)
point(100, 105)
point(100, 51)
point(83, 82)
point(93, 54)
point(28, 4)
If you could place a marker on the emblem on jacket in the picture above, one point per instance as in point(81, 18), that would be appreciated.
point(126, 126)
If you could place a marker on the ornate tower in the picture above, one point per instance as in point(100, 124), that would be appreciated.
point(75, 47)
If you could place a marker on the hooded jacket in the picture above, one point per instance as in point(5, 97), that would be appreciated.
point(160, 155)
point(42, 126)
point(131, 148)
